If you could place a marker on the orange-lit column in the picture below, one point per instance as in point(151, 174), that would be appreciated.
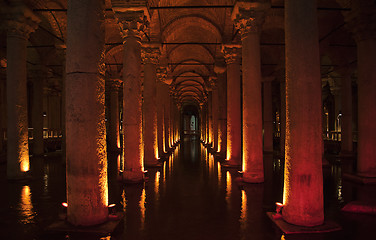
point(232, 57)
point(150, 54)
point(268, 114)
point(161, 78)
point(346, 126)
point(86, 170)
point(210, 118)
point(132, 23)
point(361, 20)
point(114, 86)
point(20, 23)
point(248, 18)
point(303, 183)
point(215, 109)
point(166, 91)
point(37, 111)
point(220, 69)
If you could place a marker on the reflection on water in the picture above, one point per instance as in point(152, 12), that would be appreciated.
point(228, 190)
point(26, 207)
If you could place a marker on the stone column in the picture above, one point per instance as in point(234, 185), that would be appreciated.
point(335, 89)
point(268, 114)
point(166, 114)
point(161, 78)
point(2, 108)
point(361, 21)
point(248, 18)
point(210, 119)
point(150, 54)
point(220, 69)
point(86, 172)
point(303, 183)
point(346, 127)
point(132, 21)
point(114, 85)
point(37, 111)
point(233, 150)
point(21, 22)
point(215, 110)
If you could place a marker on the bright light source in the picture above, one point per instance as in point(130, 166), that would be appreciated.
point(64, 204)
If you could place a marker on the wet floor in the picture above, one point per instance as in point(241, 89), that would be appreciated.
point(190, 197)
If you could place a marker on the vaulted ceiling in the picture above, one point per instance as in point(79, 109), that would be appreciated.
point(191, 33)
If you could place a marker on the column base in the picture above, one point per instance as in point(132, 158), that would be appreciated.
point(288, 228)
point(131, 177)
point(23, 176)
point(362, 178)
point(253, 178)
point(63, 226)
point(230, 164)
point(155, 163)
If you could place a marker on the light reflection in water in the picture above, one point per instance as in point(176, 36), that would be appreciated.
point(26, 207)
point(243, 213)
point(123, 201)
point(156, 186)
point(228, 189)
point(219, 174)
point(143, 208)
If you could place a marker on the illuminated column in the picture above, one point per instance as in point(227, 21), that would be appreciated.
point(335, 89)
point(220, 69)
point(361, 22)
point(166, 114)
point(20, 23)
point(114, 86)
point(215, 109)
point(150, 54)
point(248, 18)
point(37, 111)
point(210, 118)
point(303, 183)
point(202, 121)
point(132, 23)
point(86, 169)
point(2, 106)
point(268, 115)
point(232, 57)
point(161, 78)
point(346, 127)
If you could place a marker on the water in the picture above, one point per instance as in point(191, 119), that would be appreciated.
point(190, 197)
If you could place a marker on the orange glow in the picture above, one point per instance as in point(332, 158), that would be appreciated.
point(143, 208)
point(112, 205)
point(26, 206)
point(25, 166)
point(119, 164)
point(64, 204)
point(243, 212)
point(123, 201)
point(219, 173)
point(156, 185)
point(228, 188)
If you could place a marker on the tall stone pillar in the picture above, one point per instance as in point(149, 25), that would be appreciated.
point(233, 150)
point(166, 114)
point(303, 183)
point(361, 21)
point(150, 54)
point(114, 86)
point(346, 127)
point(215, 113)
point(248, 18)
point(86, 171)
point(220, 70)
point(2, 109)
point(161, 78)
point(37, 111)
point(268, 114)
point(133, 20)
point(21, 22)
point(210, 118)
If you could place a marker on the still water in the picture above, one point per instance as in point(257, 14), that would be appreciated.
point(189, 197)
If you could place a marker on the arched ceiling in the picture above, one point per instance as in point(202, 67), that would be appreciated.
point(191, 33)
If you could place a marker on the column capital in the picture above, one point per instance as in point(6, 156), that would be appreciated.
point(162, 73)
point(213, 83)
point(114, 84)
point(20, 20)
point(220, 66)
point(249, 16)
point(231, 52)
point(361, 20)
point(132, 16)
point(150, 53)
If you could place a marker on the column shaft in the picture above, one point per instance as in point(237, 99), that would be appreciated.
point(215, 109)
point(87, 190)
point(222, 117)
point(303, 183)
point(114, 117)
point(268, 117)
point(160, 119)
point(37, 115)
point(346, 128)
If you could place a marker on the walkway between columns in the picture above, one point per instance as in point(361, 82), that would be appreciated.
point(189, 197)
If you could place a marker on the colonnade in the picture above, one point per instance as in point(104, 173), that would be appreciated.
point(238, 136)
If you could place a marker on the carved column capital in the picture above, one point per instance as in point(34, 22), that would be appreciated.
point(20, 20)
point(162, 74)
point(249, 16)
point(231, 52)
point(114, 84)
point(133, 17)
point(150, 53)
